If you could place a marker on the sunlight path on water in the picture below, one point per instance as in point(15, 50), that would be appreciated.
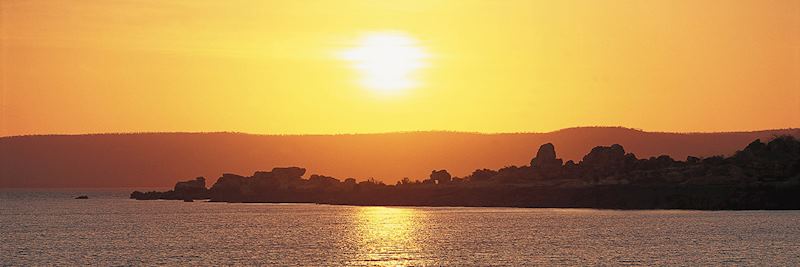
point(52, 228)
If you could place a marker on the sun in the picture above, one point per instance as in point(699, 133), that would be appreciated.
point(387, 62)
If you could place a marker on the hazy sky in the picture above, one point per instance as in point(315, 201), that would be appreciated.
point(377, 66)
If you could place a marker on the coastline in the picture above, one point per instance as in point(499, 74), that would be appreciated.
point(762, 176)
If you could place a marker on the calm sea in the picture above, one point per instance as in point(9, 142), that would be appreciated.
point(52, 228)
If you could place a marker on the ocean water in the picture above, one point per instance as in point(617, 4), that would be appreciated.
point(51, 228)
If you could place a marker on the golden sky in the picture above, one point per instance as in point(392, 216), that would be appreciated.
point(300, 67)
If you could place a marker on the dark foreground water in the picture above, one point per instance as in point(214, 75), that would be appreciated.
point(51, 228)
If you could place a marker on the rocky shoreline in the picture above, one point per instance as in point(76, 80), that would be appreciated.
point(761, 176)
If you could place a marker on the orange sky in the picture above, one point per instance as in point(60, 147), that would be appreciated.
point(283, 67)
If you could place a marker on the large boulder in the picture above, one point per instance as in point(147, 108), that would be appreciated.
point(545, 161)
point(546, 152)
point(604, 156)
point(230, 187)
point(229, 182)
point(603, 161)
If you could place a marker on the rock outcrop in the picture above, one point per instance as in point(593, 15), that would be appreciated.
point(545, 161)
point(761, 176)
point(604, 157)
point(196, 186)
point(776, 160)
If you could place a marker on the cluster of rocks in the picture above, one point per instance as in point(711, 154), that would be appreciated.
point(741, 181)
point(776, 161)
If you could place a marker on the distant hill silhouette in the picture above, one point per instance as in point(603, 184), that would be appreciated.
point(158, 159)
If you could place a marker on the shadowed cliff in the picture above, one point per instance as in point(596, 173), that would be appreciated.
point(157, 159)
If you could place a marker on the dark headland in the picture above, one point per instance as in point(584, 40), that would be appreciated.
point(155, 160)
point(760, 176)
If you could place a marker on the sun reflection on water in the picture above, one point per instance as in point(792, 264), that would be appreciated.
point(389, 236)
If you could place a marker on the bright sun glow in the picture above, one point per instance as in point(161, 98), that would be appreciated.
point(387, 62)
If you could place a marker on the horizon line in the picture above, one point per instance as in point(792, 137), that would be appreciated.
point(401, 132)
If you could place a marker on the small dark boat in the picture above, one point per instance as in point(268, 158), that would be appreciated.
point(188, 200)
point(82, 197)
